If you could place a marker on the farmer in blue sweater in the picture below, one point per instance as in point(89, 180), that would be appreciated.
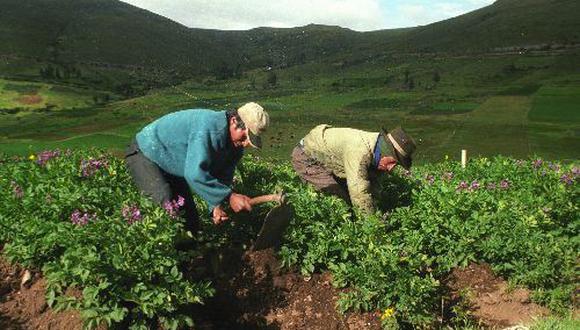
point(197, 150)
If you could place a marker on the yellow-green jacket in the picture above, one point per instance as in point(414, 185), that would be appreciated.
point(348, 153)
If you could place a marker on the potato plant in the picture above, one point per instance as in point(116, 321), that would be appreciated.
point(78, 218)
point(520, 216)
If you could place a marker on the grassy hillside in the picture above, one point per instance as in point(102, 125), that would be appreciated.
point(506, 25)
point(115, 33)
point(456, 84)
point(106, 32)
point(513, 105)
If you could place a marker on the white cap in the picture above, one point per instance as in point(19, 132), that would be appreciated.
point(256, 120)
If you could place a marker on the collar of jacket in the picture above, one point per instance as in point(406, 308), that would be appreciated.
point(377, 151)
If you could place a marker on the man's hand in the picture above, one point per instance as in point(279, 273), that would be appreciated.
point(219, 215)
point(239, 202)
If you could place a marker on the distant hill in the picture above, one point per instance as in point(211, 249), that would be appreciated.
point(110, 32)
point(504, 24)
point(103, 31)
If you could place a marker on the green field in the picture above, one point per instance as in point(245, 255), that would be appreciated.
point(556, 104)
point(475, 104)
point(27, 97)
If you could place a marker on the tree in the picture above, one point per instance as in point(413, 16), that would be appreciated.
point(224, 71)
point(66, 72)
point(125, 89)
point(47, 72)
point(252, 83)
point(436, 77)
point(272, 79)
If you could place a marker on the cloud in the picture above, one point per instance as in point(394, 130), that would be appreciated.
point(360, 15)
point(423, 14)
point(480, 3)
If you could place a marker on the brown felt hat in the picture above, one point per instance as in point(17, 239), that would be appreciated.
point(402, 145)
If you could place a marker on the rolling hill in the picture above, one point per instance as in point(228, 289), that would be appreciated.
point(113, 33)
point(104, 32)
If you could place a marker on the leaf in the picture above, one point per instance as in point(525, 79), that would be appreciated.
point(174, 272)
point(118, 314)
point(50, 297)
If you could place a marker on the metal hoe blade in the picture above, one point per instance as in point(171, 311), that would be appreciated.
point(273, 227)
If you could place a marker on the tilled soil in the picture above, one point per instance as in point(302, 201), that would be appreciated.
point(24, 306)
point(259, 295)
point(489, 300)
point(252, 292)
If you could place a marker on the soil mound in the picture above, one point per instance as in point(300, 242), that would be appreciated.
point(489, 299)
point(24, 306)
point(257, 294)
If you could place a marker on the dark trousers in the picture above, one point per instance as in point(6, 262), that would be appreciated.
point(317, 175)
point(159, 185)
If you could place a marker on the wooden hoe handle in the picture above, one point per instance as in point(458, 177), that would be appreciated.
point(265, 199)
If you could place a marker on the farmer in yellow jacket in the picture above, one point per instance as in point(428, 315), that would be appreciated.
point(346, 161)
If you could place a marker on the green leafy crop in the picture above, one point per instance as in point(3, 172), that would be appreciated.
point(78, 217)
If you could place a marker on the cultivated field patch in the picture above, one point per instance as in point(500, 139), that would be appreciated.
point(29, 99)
point(446, 108)
point(26, 97)
point(498, 126)
point(556, 105)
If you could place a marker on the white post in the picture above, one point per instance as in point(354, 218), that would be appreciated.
point(463, 158)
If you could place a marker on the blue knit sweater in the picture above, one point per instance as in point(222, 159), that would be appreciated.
point(194, 144)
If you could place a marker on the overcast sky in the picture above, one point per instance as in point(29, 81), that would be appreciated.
point(359, 15)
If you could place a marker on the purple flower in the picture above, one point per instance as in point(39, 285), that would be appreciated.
point(462, 185)
point(81, 220)
point(43, 157)
point(537, 163)
point(172, 207)
point(567, 179)
point(17, 190)
point(91, 166)
point(131, 214)
point(554, 167)
point(576, 171)
point(430, 178)
point(168, 206)
point(475, 185)
point(504, 184)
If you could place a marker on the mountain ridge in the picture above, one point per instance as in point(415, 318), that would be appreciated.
point(112, 32)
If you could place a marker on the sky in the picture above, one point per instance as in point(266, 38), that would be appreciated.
point(358, 15)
